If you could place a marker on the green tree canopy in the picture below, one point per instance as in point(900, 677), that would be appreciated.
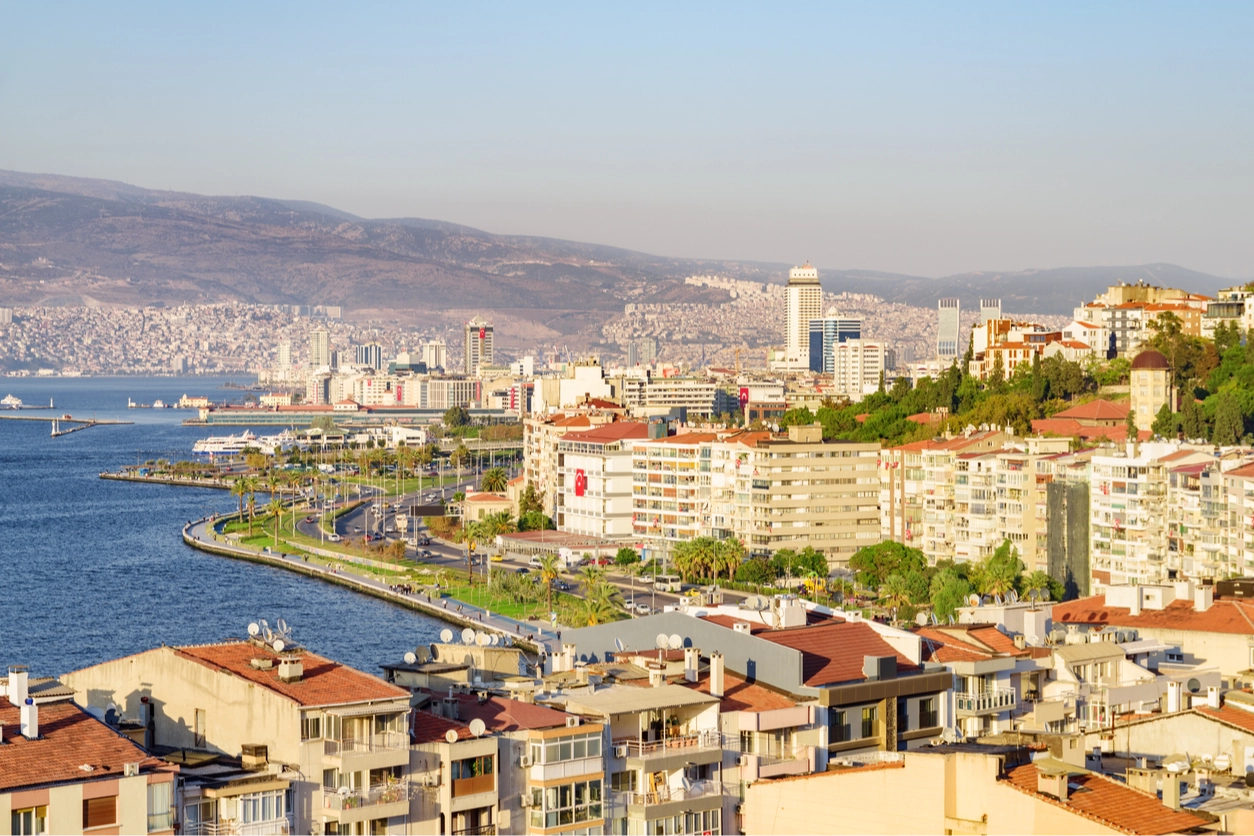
point(874, 564)
point(456, 416)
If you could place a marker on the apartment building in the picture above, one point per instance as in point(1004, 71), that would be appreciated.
point(339, 733)
point(540, 437)
point(62, 770)
point(857, 367)
point(594, 473)
point(1238, 519)
point(1128, 516)
point(992, 674)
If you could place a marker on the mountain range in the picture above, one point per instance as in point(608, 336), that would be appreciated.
point(70, 240)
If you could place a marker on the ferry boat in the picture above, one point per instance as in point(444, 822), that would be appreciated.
point(226, 444)
point(11, 402)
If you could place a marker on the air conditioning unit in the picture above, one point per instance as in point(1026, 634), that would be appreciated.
point(525, 800)
point(130, 770)
point(571, 722)
point(620, 751)
point(740, 809)
point(525, 761)
point(744, 760)
point(431, 780)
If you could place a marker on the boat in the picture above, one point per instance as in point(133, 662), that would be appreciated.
point(11, 402)
point(226, 444)
point(282, 441)
point(158, 404)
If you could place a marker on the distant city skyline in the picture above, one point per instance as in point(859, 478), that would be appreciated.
point(912, 138)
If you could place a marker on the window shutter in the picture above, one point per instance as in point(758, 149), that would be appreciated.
point(100, 812)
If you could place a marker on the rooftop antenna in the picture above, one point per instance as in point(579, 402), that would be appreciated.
point(468, 636)
point(618, 643)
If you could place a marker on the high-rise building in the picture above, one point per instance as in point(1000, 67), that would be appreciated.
point(370, 354)
point(857, 366)
point(805, 302)
point(648, 350)
point(989, 309)
point(6, 316)
point(319, 348)
point(285, 355)
point(478, 344)
point(435, 355)
point(828, 332)
point(948, 337)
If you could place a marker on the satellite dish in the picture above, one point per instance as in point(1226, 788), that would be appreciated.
point(344, 790)
point(483, 639)
point(496, 639)
point(997, 600)
point(280, 626)
point(253, 629)
point(973, 600)
point(423, 654)
point(468, 636)
point(935, 620)
point(509, 640)
point(921, 619)
point(446, 635)
point(410, 658)
point(951, 618)
point(1013, 596)
point(278, 645)
point(618, 643)
point(477, 727)
point(1044, 594)
point(662, 641)
point(675, 642)
point(450, 736)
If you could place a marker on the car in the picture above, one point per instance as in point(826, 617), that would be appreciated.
point(523, 570)
point(496, 558)
point(309, 519)
point(602, 561)
point(334, 538)
point(534, 562)
point(427, 553)
point(561, 585)
point(357, 529)
point(370, 538)
point(390, 530)
point(641, 609)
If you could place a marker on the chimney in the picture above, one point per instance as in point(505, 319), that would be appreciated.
point(692, 660)
point(742, 627)
point(581, 674)
point(1203, 597)
point(716, 675)
point(1052, 783)
point(1171, 790)
point(1135, 609)
point(1173, 697)
point(30, 719)
point(657, 677)
point(1213, 700)
point(291, 669)
point(18, 685)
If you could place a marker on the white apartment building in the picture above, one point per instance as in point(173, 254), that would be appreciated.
point(594, 477)
point(1238, 510)
point(858, 366)
point(541, 434)
point(1128, 516)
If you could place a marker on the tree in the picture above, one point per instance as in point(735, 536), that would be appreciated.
point(1229, 423)
point(1166, 422)
point(495, 480)
point(626, 556)
point(997, 377)
point(456, 416)
point(1036, 581)
point(274, 510)
point(530, 500)
point(251, 483)
point(728, 555)
point(875, 563)
point(1040, 383)
point(998, 573)
point(239, 489)
point(1192, 420)
point(535, 521)
point(550, 568)
point(1129, 425)
point(894, 593)
point(758, 572)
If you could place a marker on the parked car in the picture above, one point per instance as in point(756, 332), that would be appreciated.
point(641, 609)
point(534, 562)
point(523, 570)
point(333, 537)
point(561, 585)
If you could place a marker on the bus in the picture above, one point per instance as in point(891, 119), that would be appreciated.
point(668, 583)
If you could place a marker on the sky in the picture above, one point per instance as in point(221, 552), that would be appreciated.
point(925, 138)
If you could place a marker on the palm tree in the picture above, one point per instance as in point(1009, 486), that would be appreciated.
point(895, 593)
point(591, 611)
point(550, 568)
point(251, 484)
point(728, 555)
point(274, 510)
point(239, 489)
point(590, 576)
point(495, 480)
point(998, 578)
point(1037, 580)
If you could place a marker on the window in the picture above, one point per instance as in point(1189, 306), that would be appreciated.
point(472, 767)
point(310, 727)
point(868, 721)
point(841, 733)
point(571, 803)
point(199, 813)
point(623, 781)
point(570, 748)
point(161, 806)
point(198, 736)
point(929, 717)
point(100, 812)
point(32, 821)
point(263, 806)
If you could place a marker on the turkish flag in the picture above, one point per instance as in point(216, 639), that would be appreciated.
point(744, 396)
point(581, 482)
point(483, 332)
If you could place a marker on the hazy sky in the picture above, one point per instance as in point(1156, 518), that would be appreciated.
point(927, 139)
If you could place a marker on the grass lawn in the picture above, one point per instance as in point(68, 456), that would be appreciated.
point(407, 485)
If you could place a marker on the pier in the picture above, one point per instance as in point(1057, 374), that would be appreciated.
point(75, 424)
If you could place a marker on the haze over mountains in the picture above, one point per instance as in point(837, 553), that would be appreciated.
point(68, 240)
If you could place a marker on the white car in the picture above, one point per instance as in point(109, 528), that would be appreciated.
point(642, 609)
point(334, 538)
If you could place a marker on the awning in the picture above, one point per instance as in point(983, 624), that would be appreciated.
point(245, 787)
point(366, 710)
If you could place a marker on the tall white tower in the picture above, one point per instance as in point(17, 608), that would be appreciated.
point(805, 302)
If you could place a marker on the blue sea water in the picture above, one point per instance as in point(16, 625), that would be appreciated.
point(95, 569)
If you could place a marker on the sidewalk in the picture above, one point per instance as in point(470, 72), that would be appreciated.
point(198, 535)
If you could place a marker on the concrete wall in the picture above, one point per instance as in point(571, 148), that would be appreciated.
point(65, 805)
point(1186, 731)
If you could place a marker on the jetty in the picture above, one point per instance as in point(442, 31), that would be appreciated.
point(74, 424)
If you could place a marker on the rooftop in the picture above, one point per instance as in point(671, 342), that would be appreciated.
point(1098, 410)
point(619, 699)
point(69, 738)
point(742, 695)
point(834, 652)
point(1225, 615)
point(617, 431)
point(322, 682)
point(502, 714)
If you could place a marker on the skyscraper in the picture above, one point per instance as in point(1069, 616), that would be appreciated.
point(370, 354)
point(989, 309)
point(435, 355)
point(319, 348)
point(947, 336)
point(805, 302)
point(285, 355)
point(828, 332)
point(478, 344)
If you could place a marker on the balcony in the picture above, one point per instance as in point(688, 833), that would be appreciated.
point(230, 827)
point(359, 805)
point(701, 748)
point(354, 754)
point(474, 786)
point(161, 821)
point(670, 801)
point(990, 702)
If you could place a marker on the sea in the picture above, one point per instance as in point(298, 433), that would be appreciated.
point(95, 569)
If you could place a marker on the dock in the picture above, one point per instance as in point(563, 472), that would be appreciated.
point(76, 424)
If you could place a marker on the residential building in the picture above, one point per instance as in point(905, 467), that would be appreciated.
point(63, 770)
point(478, 345)
point(1092, 421)
point(992, 674)
point(858, 367)
point(341, 733)
point(594, 488)
point(319, 348)
point(1128, 495)
point(805, 303)
point(541, 434)
point(480, 504)
point(949, 337)
point(827, 333)
point(1229, 307)
point(1151, 387)
point(435, 355)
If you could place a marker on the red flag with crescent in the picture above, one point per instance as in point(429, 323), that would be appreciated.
point(581, 482)
point(744, 396)
point(483, 332)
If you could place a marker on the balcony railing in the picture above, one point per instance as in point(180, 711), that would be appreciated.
point(697, 789)
point(161, 821)
point(634, 748)
point(339, 799)
point(230, 827)
point(998, 699)
point(382, 742)
point(481, 830)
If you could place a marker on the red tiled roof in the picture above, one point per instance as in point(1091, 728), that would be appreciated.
point(968, 643)
point(742, 695)
point(1113, 804)
point(616, 431)
point(1098, 410)
point(68, 738)
point(1245, 471)
point(730, 622)
point(486, 496)
point(322, 681)
point(1238, 717)
point(1224, 615)
point(425, 727)
point(833, 652)
point(502, 714)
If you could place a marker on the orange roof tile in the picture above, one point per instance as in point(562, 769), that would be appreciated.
point(1113, 804)
point(323, 682)
point(834, 652)
point(1238, 717)
point(425, 727)
point(742, 695)
point(616, 431)
point(1225, 615)
point(502, 714)
point(68, 738)
point(1098, 410)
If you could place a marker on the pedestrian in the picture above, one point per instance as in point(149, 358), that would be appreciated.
point(559, 635)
